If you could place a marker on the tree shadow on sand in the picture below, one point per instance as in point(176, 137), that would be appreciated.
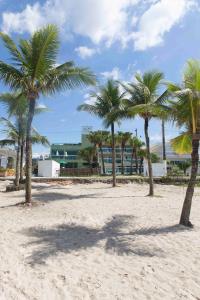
point(114, 237)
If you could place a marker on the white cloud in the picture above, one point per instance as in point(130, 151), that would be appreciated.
point(141, 22)
point(158, 20)
point(28, 20)
point(85, 52)
point(99, 20)
point(114, 74)
point(41, 105)
point(88, 99)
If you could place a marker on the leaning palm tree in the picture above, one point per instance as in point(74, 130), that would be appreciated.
point(123, 139)
point(98, 139)
point(15, 134)
point(107, 106)
point(186, 113)
point(12, 138)
point(146, 102)
point(34, 71)
point(16, 105)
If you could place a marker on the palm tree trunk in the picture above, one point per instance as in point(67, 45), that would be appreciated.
point(21, 162)
point(151, 188)
point(28, 196)
point(102, 161)
point(185, 214)
point(136, 160)
point(163, 140)
point(16, 181)
point(122, 165)
point(141, 162)
point(113, 154)
point(132, 155)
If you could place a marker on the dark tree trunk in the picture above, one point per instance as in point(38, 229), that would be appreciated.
point(17, 168)
point(136, 160)
point(28, 196)
point(113, 154)
point(185, 215)
point(132, 155)
point(21, 162)
point(141, 162)
point(122, 160)
point(151, 187)
point(163, 140)
point(102, 161)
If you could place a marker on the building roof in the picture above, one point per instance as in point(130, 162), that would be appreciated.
point(170, 154)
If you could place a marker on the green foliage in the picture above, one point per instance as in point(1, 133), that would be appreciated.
point(107, 105)
point(184, 165)
point(88, 154)
point(155, 158)
point(98, 138)
point(33, 69)
point(175, 171)
point(123, 138)
point(144, 98)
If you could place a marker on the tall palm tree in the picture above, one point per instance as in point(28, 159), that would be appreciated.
point(34, 71)
point(146, 102)
point(15, 134)
point(186, 113)
point(98, 139)
point(123, 139)
point(107, 106)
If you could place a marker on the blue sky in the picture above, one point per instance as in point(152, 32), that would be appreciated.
point(114, 38)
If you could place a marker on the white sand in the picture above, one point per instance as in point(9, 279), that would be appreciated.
point(96, 242)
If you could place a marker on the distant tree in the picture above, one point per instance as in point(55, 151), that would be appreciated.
point(123, 139)
point(98, 139)
point(89, 155)
point(15, 134)
point(136, 145)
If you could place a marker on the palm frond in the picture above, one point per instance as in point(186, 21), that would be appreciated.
point(11, 76)
point(12, 48)
point(182, 144)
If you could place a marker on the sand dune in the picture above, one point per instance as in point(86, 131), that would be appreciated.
point(85, 242)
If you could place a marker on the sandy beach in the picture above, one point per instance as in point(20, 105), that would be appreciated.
point(85, 242)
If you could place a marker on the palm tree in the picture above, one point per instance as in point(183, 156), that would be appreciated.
point(163, 140)
point(145, 102)
point(107, 106)
point(34, 71)
point(123, 139)
point(98, 139)
point(17, 107)
point(136, 145)
point(186, 113)
point(15, 134)
point(88, 154)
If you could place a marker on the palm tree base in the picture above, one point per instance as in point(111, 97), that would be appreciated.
point(186, 224)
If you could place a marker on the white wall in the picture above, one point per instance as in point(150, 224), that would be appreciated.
point(159, 169)
point(48, 168)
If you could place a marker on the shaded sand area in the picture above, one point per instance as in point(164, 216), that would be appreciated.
point(96, 242)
